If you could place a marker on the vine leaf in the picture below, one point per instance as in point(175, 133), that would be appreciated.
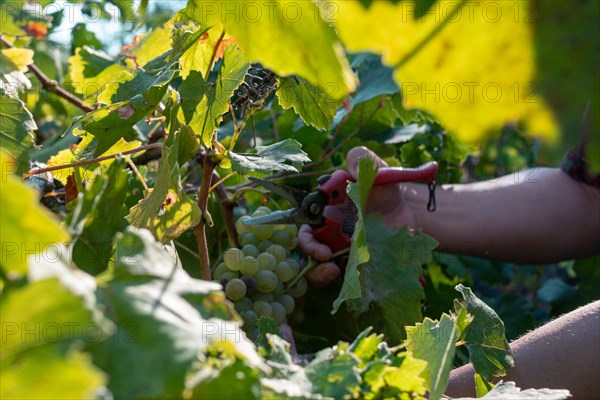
point(156, 305)
point(16, 126)
point(135, 98)
point(98, 215)
point(334, 371)
point(13, 65)
point(321, 59)
point(359, 254)
point(489, 351)
point(45, 306)
point(391, 293)
point(270, 158)
point(434, 342)
point(508, 390)
point(166, 210)
point(26, 228)
point(429, 62)
point(203, 102)
point(315, 105)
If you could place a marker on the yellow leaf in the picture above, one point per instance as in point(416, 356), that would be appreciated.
point(471, 64)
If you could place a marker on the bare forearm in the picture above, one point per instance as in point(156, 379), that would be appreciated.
point(547, 217)
point(563, 354)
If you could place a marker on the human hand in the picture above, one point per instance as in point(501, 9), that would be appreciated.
point(386, 200)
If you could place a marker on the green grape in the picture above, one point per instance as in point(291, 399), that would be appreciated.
point(287, 302)
point(249, 317)
point(241, 227)
point(284, 272)
point(263, 232)
point(250, 250)
point(242, 305)
point(249, 266)
point(264, 210)
point(262, 246)
point(292, 230)
point(279, 289)
point(280, 237)
point(262, 308)
point(227, 276)
point(248, 238)
point(268, 297)
point(266, 281)
point(221, 269)
point(266, 261)
point(252, 332)
point(235, 289)
point(233, 259)
point(278, 312)
point(299, 289)
point(277, 251)
point(258, 213)
point(294, 264)
point(291, 244)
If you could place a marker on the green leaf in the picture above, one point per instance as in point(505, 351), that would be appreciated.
point(16, 126)
point(266, 326)
point(167, 211)
point(136, 99)
point(203, 102)
point(105, 216)
point(434, 342)
point(334, 372)
point(13, 64)
point(40, 322)
point(83, 37)
point(484, 337)
point(359, 253)
point(26, 228)
point(270, 158)
point(391, 293)
point(232, 382)
point(198, 55)
point(94, 72)
point(286, 37)
point(482, 386)
point(376, 80)
point(508, 390)
point(555, 290)
point(315, 105)
point(156, 305)
point(396, 376)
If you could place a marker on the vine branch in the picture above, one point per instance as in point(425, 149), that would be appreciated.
point(208, 166)
point(92, 161)
point(50, 84)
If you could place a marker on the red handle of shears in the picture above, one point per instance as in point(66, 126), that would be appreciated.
point(331, 233)
point(335, 186)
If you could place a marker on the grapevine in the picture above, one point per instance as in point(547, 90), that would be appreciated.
point(133, 143)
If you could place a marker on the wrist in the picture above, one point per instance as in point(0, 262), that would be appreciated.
point(416, 197)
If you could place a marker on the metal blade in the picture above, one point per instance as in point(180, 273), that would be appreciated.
point(276, 217)
point(294, 196)
point(310, 212)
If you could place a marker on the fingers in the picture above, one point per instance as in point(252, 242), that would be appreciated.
point(323, 274)
point(359, 152)
point(309, 246)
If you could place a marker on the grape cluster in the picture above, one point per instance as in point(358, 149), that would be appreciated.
point(257, 277)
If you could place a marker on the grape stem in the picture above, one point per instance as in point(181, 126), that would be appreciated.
point(311, 264)
point(51, 85)
point(208, 167)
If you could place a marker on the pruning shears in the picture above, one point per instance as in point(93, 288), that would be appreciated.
point(331, 190)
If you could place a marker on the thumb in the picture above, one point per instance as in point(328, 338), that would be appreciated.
point(357, 153)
